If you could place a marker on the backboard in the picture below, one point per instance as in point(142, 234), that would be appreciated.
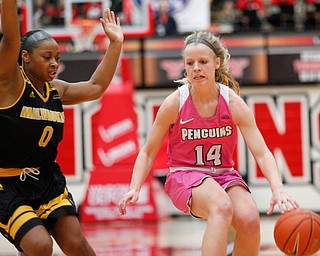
point(62, 19)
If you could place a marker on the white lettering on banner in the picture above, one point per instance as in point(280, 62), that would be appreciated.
point(310, 56)
point(284, 124)
point(315, 129)
point(110, 193)
point(309, 76)
point(117, 153)
point(308, 66)
point(105, 194)
point(110, 213)
point(316, 169)
point(103, 199)
point(116, 130)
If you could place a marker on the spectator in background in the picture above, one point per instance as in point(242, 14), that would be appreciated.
point(285, 16)
point(20, 5)
point(312, 18)
point(123, 10)
point(93, 10)
point(253, 11)
point(38, 18)
point(165, 24)
point(117, 6)
point(47, 13)
point(226, 17)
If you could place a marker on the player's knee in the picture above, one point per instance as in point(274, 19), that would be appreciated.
point(78, 246)
point(222, 208)
point(45, 248)
point(42, 247)
point(253, 223)
point(250, 222)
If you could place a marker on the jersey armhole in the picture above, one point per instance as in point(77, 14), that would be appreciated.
point(184, 94)
point(224, 91)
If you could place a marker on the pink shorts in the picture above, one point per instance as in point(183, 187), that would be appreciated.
point(179, 184)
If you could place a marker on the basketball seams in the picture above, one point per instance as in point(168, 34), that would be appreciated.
point(310, 234)
point(287, 217)
point(295, 233)
point(315, 227)
point(302, 222)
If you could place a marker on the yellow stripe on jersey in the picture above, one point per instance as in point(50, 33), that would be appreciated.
point(45, 209)
point(21, 216)
point(25, 213)
point(11, 172)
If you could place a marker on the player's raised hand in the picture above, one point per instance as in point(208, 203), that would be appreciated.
point(111, 26)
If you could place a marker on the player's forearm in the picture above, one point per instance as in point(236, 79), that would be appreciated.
point(141, 170)
point(10, 20)
point(104, 73)
point(270, 170)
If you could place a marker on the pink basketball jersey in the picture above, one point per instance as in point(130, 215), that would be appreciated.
point(202, 142)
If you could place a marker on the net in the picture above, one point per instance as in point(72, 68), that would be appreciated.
point(83, 34)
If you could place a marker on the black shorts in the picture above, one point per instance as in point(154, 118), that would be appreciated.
point(38, 200)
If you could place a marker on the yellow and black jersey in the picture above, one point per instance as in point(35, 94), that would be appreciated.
point(31, 128)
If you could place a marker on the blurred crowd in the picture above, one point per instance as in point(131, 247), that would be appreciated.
point(227, 16)
point(52, 12)
point(231, 16)
point(266, 15)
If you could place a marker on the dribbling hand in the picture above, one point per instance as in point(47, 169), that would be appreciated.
point(283, 200)
point(129, 198)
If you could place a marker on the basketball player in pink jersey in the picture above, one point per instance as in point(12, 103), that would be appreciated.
point(201, 120)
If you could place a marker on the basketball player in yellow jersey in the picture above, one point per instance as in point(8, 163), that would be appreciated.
point(35, 204)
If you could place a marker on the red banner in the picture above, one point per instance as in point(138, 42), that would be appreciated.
point(114, 150)
point(105, 190)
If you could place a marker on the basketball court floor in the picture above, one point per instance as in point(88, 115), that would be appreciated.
point(171, 236)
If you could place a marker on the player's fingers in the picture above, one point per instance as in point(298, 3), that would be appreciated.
point(110, 16)
point(294, 203)
point(107, 15)
point(280, 205)
point(122, 209)
point(271, 208)
point(113, 17)
point(122, 206)
point(288, 205)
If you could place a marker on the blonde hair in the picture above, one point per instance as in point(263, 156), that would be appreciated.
point(222, 74)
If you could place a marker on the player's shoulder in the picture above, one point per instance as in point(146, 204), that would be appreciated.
point(236, 102)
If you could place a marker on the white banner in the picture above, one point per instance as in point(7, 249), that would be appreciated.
point(190, 15)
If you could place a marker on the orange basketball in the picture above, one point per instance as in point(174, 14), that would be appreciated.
point(297, 232)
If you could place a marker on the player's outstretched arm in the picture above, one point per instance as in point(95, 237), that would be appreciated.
point(10, 42)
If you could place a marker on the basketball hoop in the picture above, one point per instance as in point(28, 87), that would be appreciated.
point(84, 34)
